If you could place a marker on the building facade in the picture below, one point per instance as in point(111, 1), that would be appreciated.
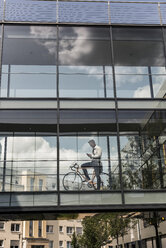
point(59, 232)
point(142, 235)
point(34, 234)
point(72, 72)
point(39, 234)
point(11, 234)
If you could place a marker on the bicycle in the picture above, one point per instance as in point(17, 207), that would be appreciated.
point(74, 180)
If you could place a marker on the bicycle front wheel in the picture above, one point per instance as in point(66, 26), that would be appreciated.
point(72, 181)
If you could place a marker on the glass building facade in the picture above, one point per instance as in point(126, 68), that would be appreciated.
point(63, 84)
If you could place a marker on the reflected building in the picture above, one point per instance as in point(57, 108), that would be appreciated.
point(64, 82)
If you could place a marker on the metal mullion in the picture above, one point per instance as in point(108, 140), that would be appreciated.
point(100, 74)
point(80, 24)
point(111, 1)
point(104, 82)
point(109, 12)
point(150, 81)
point(11, 176)
point(159, 13)
point(58, 118)
point(8, 81)
point(1, 54)
point(164, 43)
point(4, 9)
point(159, 159)
point(109, 161)
point(4, 165)
point(116, 116)
point(57, 11)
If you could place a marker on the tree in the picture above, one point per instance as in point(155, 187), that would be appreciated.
point(74, 241)
point(98, 230)
point(120, 223)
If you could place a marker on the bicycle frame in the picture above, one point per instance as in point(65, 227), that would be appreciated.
point(77, 170)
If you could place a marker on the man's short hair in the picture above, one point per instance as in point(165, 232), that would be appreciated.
point(92, 141)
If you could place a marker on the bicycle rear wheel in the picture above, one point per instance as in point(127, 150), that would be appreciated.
point(72, 181)
point(104, 182)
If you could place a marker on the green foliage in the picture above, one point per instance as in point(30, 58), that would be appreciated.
point(67, 216)
point(119, 225)
point(100, 228)
point(96, 232)
point(74, 241)
point(151, 218)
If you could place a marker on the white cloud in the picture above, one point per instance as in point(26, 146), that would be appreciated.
point(71, 51)
point(142, 92)
point(45, 36)
point(131, 69)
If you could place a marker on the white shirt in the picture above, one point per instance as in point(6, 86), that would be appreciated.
point(96, 152)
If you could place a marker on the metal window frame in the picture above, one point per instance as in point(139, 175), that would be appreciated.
point(122, 190)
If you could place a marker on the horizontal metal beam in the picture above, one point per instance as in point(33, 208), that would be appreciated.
point(98, 1)
point(51, 213)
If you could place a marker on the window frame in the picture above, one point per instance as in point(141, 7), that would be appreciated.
point(69, 228)
point(15, 225)
point(49, 226)
point(1, 229)
point(1, 244)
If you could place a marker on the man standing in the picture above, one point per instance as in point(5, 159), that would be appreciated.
point(95, 163)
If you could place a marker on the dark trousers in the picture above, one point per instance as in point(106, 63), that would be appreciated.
point(97, 167)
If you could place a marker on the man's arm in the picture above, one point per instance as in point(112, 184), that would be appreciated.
point(89, 155)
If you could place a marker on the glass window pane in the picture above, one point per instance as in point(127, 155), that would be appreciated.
point(75, 150)
point(32, 71)
point(131, 70)
point(86, 82)
point(143, 149)
point(137, 33)
point(133, 86)
point(36, 45)
point(158, 70)
point(138, 46)
point(159, 85)
point(32, 85)
point(4, 86)
point(0, 29)
point(30, 161)
point(84, 55)
point(81, 86)
point(138, 52)
point(91, 70)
